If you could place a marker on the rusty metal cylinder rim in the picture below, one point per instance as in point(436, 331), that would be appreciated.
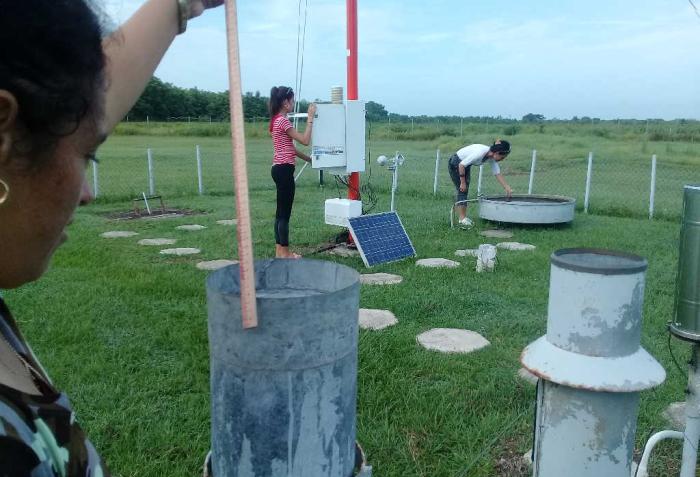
point(546, 200)
point(628, 264)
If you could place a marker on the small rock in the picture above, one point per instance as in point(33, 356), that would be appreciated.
point(118, 234)
point(380, 279)
point(437, 263)
point(192, 227)
point(675, 415)
point(157, 241)
point(515, 246)
point(376, 319)
point(527, 376)
point(180, 251)
point(215, 264)
point(527, 458)
point(227, 222)
point(470, 252)
point(344, 251)
point(450, 340)
point(495, 233)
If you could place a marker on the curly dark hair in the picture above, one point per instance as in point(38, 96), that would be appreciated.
point(53, 63)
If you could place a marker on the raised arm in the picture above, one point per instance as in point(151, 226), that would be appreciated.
point(135, 49)
point(305, 138)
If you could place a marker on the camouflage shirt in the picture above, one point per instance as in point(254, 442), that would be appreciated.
point(39, 436)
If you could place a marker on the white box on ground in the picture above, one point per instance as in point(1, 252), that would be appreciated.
point(338, 211)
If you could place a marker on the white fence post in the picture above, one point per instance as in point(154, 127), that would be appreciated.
point(437, 165)
point(199, 171)
point(652, 189)
point(588, 182)
point(478, 184)
point(532, 171)
point(95, 183)
point(151, 179)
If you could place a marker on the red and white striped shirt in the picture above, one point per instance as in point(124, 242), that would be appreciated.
point(283, 144)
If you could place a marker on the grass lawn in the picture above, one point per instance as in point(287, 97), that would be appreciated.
point(123, 329)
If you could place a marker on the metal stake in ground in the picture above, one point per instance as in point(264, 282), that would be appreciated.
point(240, 175)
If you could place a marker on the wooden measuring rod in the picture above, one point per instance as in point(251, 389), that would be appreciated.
point(240, 175)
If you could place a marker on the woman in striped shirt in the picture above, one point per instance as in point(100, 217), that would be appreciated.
point(283, 161)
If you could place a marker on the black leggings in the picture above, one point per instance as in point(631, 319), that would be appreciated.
point(283, 175)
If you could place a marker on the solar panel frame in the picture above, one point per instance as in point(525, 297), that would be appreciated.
point(381, 238)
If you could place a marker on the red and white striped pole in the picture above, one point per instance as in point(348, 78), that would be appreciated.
point(354, 189)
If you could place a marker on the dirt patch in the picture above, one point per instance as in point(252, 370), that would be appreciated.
point(511, 462)
point(167, 213)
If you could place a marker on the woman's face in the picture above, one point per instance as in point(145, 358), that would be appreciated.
point(41, 201)
point(288, 105)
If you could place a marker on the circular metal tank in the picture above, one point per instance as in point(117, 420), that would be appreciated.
point(527, 209)
point(283, 394)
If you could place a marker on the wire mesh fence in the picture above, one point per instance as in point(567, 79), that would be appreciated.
point(620, 181)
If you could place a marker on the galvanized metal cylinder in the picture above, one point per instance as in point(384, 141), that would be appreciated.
point(686, 322)
point(582, 433)
point(284, 394)
point(590, 364)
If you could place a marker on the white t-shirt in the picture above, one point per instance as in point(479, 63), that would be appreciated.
point(475, 155)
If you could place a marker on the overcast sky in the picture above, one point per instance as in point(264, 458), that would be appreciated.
point(560, 58)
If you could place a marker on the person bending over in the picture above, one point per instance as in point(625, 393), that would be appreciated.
point(460, 164)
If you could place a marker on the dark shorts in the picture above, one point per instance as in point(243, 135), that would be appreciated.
point(453, 167)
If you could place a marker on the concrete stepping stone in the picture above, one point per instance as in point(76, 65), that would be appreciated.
point(451, 340)
point(180, 251)
point(371, 319)
point(157, 241)
point(380, 279)
point(675, 415)
point(215, 264)
point(496, 233)
point(118, 234)
point(437, 263)
point(227, 222)
point(344, 251)
point(515, 246)
point(191, 228)
point(470, 252)
point(526, 375)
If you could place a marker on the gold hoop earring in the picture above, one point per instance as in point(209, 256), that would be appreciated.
point(5, 193)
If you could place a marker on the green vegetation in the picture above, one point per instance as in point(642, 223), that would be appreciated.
point(123, 329)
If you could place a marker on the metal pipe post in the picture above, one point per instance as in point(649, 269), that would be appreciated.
point(478, 184)
point(151, 179)
point(351, 10)
point(199, 172)
point(588, 182)
point(532, 171)
point(95, 183)
point(394, 182)
point(692, 417)
point(652, 188)
point(437, 165)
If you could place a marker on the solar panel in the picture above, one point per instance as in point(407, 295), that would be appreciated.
point(381, 238)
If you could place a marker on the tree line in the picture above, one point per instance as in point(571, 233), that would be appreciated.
point(163, 101)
